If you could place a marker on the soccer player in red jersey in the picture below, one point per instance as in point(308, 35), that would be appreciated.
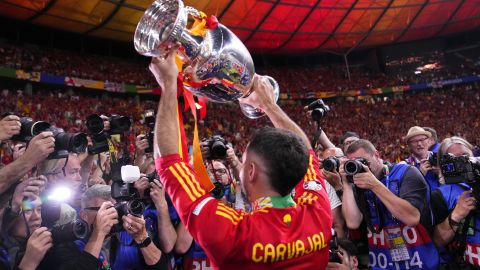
point(281, 232)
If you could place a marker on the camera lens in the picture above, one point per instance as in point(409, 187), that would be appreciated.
point(219, 150)
point(94, 124)
point(78, 142)
point(39, 127)
point(330, 164)
point(80, 229)
point(135, 208)
point(353, 167)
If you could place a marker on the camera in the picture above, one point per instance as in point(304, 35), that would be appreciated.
point(333, 250)
point(319, 109)
point(461, 169)
point(74, 230)
point(118, 125)
point(149, 118)
point(29, 129)
point(132, 207)
point(355, 166)
point(331, 164)
point(216, 147)
point(67, 142)
point(69, 232)
point(432, 158)
point(123, 191)
point(218, 191)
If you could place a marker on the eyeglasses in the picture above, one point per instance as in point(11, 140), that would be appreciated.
point(93, 208)
point(220, 171)
point(417, 141)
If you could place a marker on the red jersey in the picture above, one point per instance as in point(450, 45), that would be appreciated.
point(295, 237)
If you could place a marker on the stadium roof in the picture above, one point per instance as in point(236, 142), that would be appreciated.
point(282, 26)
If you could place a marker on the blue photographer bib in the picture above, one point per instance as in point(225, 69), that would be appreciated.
point(394, 245)
point(471, 254)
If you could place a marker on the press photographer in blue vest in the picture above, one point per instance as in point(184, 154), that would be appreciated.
point(393, 199)
point(455, 204)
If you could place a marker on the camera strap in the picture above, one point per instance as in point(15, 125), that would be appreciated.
point(361, 200)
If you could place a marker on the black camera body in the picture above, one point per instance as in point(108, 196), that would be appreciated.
point(127, 197)
point(216, 147)
point(72, 231)
point(118, 125)
point(150, 135)
point(462, 169)
point(67, 143)
point(331, 164)
point(218, 191)
point(319, 109)
point(30, 129)
point(333, 250)
point(133, 207)
point(433, 158)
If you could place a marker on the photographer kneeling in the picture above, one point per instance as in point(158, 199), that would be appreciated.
point(455, 204)
point(393, 201)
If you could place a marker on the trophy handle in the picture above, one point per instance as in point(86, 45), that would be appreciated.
point(254, 113)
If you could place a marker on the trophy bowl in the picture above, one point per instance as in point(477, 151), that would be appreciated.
point(219, 65)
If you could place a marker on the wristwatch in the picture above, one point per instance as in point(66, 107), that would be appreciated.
point(145, 242)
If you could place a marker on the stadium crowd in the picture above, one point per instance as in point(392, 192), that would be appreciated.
point(320, 78)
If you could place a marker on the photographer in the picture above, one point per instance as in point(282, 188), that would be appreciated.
point(393, 201)
point(31, 246)
point(38, 149)
point(347, 252)
point(276, 161)
point(129, 249)
point(334, 187)
point(419, 142)
point(454, 205)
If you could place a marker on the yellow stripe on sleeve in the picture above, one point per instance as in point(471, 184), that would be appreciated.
point(227, 216)
point(189, 181)
point(182, 183)
point(195, 182)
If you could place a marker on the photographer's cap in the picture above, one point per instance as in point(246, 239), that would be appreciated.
point(130, 173)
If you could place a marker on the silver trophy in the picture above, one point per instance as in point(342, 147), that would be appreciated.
point(220, 67)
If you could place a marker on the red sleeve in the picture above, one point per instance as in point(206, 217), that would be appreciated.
point(312, 186)
point(198, 210)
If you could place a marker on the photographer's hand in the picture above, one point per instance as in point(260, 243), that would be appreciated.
point(39, 148)
point(104, 220)
point(135, 226)
point(141, 143)
point(425, 166)
point(339, 266)
point(333, 179)
point(38, 244)
point(157, 193)
point(366, 180)
point(30, 189)
point(465, 203)
point(9, 126)
point(141, 185)
point(19, 150)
